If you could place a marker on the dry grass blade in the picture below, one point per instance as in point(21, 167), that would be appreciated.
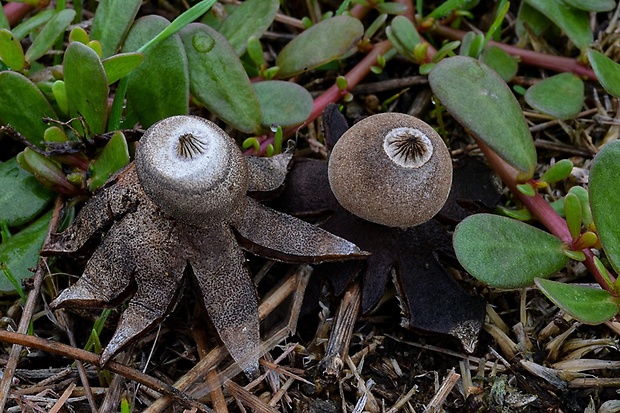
point(293, 284)
point(62, 399)
point(92, 358)
point(440, 396)
point(33, 296)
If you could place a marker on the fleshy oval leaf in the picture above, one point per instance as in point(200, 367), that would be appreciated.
point(54, 28)
point(86, 86)
point(121, 64)
point(23, 106)
point(559, 171)
point(218, 80)
point(403, 35)
point(506, 253)
point(607, 71)
point(22, 197)
point(483, 103)
point(11, 52)
point(21, 252)
point(589, 305)
point(584, 200)
point(560, 96)
point(592, 5)
point(250, 18)
point(283, 103)
point(575, 23)
point(24, 28)
point(503, 63)
point(159, 87)
point(322, 43)
point(605, 200)
point(112, 22)
point(113, 157)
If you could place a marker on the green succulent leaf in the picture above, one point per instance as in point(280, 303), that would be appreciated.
point(283, 103)
point(589, 305)
point(503, 63)
point(23, 106)
point(24, 28)
point(506, 253)
point(54, 28)
point(560, 96)
point(530, 20)
point(21, 252)
point(607, 71)
point(86, 86)
point(584, 200)
point(11, 52)
point(575, 23)
point(605, 199)
point(159, 87)
point(472, 44)
point(113, 157)
point(250, 18)
point(112, 22)
point(404, 36)
point(320, 44)
point(121, 64)
point(483, 103)
point(592, 5)
point(4, 22)
point(78, 34)
point(572, 211)
point(218, 79)
point(559, 171)
point(22, 197)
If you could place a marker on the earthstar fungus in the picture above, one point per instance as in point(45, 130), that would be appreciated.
point(182, 208)
point(431, 299)
point(391, 169)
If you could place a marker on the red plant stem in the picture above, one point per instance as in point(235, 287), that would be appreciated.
point(543, 212)
point(334, 94)
point(530, 57)
point(354, 76)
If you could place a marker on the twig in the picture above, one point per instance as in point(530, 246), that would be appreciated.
point(65, 322)
point(92, 358)
point(342, 329)
point(403, 399)
point(440, 397)
point(62, 399)
point(31, 302)
point(248, 399)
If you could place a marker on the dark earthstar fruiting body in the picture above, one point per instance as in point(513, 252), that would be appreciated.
point(152, 236)
point(391, 169)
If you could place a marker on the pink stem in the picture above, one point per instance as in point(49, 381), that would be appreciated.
point(334, 94)
point(530, 57)
point(543, 212)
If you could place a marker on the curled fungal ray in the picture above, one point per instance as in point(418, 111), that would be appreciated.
point(193, 217)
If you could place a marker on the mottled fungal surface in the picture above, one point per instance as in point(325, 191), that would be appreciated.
point(391, 169)
point(194, 219)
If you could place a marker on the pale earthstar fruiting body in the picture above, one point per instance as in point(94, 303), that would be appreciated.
point(182, 208)
point(391, 169)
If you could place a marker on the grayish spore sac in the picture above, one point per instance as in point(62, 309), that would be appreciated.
point(391, 169)
point(182, 208)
